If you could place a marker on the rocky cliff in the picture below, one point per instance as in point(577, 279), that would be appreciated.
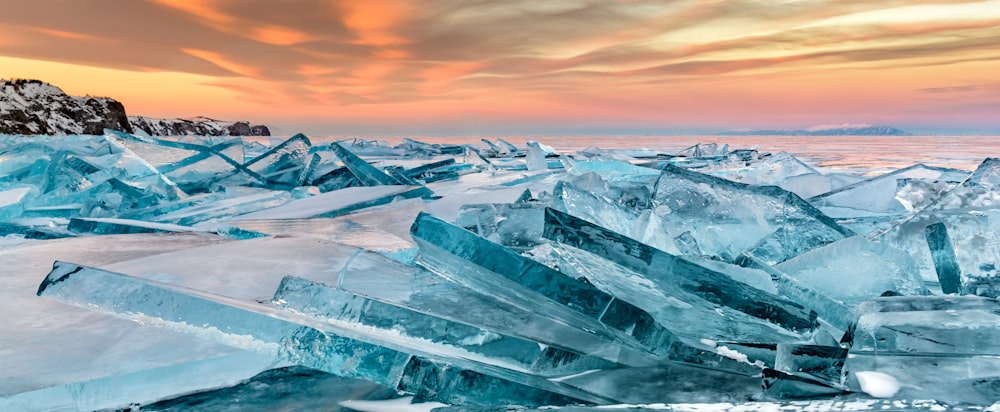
point(35, 107)
point(200, 126)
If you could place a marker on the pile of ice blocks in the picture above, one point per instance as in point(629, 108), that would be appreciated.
point(493, 275)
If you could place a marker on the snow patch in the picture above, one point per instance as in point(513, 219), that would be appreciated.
point(878, 384)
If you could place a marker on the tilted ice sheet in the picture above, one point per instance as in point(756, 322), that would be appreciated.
point(970, 214)
point(881, 195)
point(414, 367)
point(81, 351)
point(727, 218)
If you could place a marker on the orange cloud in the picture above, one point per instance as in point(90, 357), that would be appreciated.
point(223, 62)
point(279, 36)
point(373, 21)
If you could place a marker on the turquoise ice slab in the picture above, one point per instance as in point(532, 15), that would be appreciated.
point(376, 277)
point(366, 173)
point(729, 218)
point(685, 314)
point(806, 371)
point(110, 226)
point(53, 357)
point(970, 213)
point(332, 305)
point(870, 268)
point(836, 313)
point(884, 195)
point(216, 206)
point(337, 202)
point(943, 256)
point(937, 347)
point(668, 382)
point(467, 258)
point(285, 165)
point(294, 338)
point(663, 267)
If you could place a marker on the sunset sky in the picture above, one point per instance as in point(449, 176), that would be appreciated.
point(441, 67)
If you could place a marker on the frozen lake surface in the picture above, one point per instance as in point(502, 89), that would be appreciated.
point(681, 273)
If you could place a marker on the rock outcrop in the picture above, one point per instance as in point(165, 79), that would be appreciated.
point(33, 107)
point(200, 126)
point(36, 107)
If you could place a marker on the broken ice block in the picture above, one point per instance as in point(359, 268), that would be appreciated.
point(218, 206)
point(803, 371)
point(660, 265)
point(656, 264)
point(834, 312)
point(668, 382)
point(729, 218)
point(108, 226)
point(285, 165)
point(337, 202)
point(880, 195)
point(971, 216)
point(370, 275)
point(514, 225)
point(294, 338)
point(441, 243)
point(939, 347)
point(871, 268)
point(12, 201)
point(366, 173)
point(332, 305)
point(943, 255)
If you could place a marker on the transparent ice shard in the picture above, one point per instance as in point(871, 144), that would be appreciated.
point(329, 304)
point(668, 382)
point(367, 174)
point(338, 202)
point(536, 157)
point(195, 166)
point(448, 207)
point(880, 195)
point(286, 336)
point(452, 251)
point(770, 170)
point(509, 150)
point(374, 276)
point(928, 324)
point(836, 313)
point(343, 231)
point(109, 226)
point(804, 371)
point(12, 201)
point(698, 324)
point(514, 225)
point(285, 165)
point(871, 268)
point(141, 387)
point(729, 218)
point(672, 270)
point(613, 170)
point(429, 149)
point(970, 215)
point(940, 347)
point(943, 255)
point(336, 179)
point(62, 357)
point(220, 206)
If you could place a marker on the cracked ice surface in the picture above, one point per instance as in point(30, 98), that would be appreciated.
point(488, 275)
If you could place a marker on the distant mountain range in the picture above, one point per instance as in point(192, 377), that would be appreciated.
point(825, 130)
point(36, 107)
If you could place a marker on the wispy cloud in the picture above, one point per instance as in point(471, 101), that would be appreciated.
point(390, 52)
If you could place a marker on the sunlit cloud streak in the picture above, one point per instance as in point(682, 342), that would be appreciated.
point(486, 60)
